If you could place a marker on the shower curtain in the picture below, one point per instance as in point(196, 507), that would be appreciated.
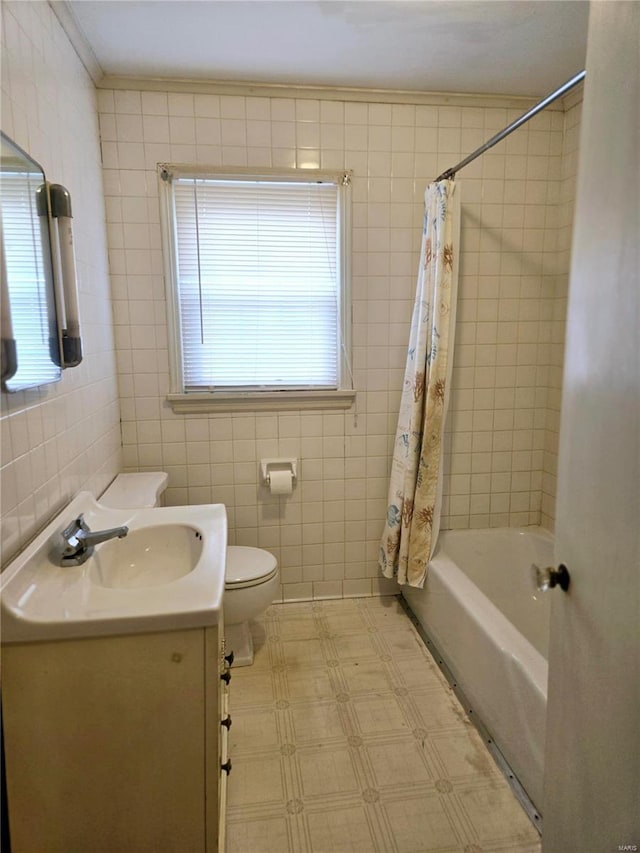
point(415, 488)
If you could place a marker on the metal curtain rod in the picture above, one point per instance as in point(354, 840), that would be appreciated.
point(450, 173)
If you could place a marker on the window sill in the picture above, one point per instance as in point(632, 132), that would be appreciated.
point(260, 401)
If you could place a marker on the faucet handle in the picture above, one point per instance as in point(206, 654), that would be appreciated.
point(76, 526)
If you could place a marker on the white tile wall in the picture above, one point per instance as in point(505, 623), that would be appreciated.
point(61, 438)
point(566, 191)
point(508, 335)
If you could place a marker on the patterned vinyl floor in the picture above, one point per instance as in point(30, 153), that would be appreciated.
point(346, 738)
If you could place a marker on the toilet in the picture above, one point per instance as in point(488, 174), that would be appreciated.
point(251, 584)
point(134, 491)
point(251, 576)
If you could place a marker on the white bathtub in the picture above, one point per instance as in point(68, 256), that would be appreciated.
point(491, 628)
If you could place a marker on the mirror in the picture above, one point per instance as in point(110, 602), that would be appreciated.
point(31, 346)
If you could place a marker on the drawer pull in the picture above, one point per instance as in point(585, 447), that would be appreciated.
point(226, 722)
point(226, 677)
point(226, 766)
point(229, 658)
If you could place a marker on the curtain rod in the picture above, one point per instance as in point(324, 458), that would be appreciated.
point(450, 173)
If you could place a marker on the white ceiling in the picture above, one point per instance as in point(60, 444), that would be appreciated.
point(511, 47)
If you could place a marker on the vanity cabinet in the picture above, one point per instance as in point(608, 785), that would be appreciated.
point(115, 744)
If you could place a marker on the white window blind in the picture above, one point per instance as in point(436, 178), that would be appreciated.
point(258, 283)
point(32, 316)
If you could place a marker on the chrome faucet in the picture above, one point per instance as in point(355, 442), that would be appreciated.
point(79, 541)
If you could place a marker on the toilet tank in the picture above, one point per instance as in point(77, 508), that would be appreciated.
point(130, 491)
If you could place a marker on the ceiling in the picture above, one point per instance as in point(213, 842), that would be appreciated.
point(510, 47)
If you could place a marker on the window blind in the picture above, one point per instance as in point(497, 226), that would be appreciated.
point(257, 279)
point(33, 323)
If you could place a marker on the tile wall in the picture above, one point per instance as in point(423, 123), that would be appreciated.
point(58, 439)
point(513, 261)
point(569, 167)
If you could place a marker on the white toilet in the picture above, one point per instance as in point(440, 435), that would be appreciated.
point(251, 577)
point(251, 584)
point(131, 491)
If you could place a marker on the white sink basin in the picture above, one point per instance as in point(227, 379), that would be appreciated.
point(150, 556)
point(166, 574)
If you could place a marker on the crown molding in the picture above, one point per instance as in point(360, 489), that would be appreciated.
point(329, 93)
point(67, 20)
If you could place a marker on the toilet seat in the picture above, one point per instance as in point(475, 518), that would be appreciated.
point(248, 567)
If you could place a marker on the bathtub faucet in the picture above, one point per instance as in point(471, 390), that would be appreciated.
point(79, 541)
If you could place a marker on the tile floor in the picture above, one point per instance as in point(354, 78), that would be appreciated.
point(346, 738)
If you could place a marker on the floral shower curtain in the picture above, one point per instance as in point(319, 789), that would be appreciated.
point(413, 511)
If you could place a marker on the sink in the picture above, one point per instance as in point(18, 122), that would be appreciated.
point(166, 574)
point(149, 556)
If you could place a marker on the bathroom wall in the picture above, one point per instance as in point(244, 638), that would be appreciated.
point(58, 439)
point(518, 440)
point(555, 350)
point(326, 535)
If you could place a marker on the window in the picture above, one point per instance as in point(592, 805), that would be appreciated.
point(258, 293)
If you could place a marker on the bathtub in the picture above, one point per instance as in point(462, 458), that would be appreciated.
point(491, 629)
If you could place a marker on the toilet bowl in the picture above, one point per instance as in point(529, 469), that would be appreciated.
point(251, 576)
point(251, 584)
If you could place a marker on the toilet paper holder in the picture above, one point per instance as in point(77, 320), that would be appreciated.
point(277, 464)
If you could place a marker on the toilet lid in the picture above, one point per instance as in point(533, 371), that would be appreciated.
point(245, 565)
